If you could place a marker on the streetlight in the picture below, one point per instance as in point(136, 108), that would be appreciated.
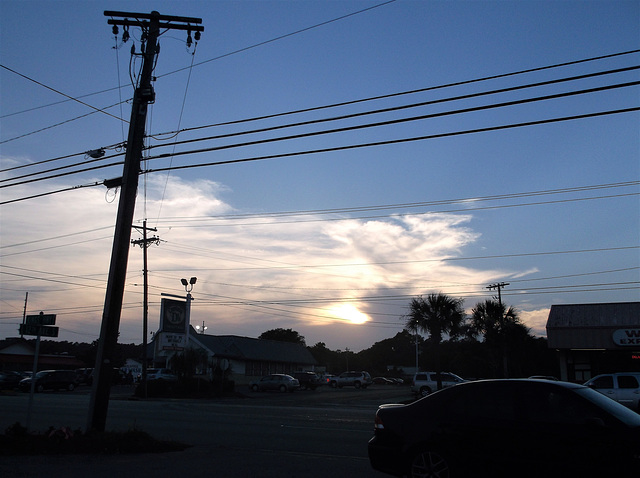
point(201, 328)
point(188, 287)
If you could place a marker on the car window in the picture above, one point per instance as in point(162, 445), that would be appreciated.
point(555, 405)
point(627, 381)
point(488, 403)
point(603, 382)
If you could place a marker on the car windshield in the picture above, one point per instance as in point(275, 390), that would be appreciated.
point(42, 374)
point(621, 412)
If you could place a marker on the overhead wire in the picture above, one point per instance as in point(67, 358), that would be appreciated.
point(619, 70)
point(464, 82)
point(368, 125)
point(379, 143)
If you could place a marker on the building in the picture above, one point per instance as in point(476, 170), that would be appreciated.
point(595, 338)
point(242, 358)
point(17, 354)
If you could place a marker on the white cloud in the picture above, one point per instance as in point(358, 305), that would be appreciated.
point(536, 320)
point(253, 274)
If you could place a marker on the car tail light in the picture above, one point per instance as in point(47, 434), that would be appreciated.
point(378, 425)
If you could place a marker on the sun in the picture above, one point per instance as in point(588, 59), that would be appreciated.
point(350, 313)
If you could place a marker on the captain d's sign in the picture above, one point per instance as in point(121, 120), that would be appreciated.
point(627, 337)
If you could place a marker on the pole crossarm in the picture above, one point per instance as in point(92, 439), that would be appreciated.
point(191, 23)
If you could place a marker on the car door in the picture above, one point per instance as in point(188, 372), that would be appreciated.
point(628, 390)
point(448, 380)
point(569, 435)
point(605, 385)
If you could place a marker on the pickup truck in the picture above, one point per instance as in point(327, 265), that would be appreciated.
point(621, 387)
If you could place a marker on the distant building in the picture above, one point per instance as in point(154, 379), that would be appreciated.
point(245, 357)
point(595, 338)
point(17, 354)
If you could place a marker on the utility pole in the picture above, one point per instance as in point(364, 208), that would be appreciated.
point(24, 313)
point(499, 287)
point(505, 358)
point(143, 95)
point(144, 243)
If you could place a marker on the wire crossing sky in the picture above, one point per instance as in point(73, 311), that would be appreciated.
point(318, 164)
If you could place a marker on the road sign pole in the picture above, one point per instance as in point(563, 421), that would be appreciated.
point(33, 382)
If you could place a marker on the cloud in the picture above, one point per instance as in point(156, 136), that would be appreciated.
point(254, 272)
point(536, 320)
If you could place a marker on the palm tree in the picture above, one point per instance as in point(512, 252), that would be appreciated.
point(437, 315)
point(496, 323)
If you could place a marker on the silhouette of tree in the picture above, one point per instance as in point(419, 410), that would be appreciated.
point(437, 315)
point(283, 335)
point(499, 326)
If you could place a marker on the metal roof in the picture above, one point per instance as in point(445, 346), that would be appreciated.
point(246, 348)
point(591, 326)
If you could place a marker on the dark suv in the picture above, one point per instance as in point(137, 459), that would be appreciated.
point(50, 380)
point(308, 380)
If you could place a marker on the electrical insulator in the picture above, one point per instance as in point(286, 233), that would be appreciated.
point(115, 29)
point(189, 39)
point(197, 36)
point(125, 35)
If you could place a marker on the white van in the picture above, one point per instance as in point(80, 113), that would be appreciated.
point(621, 387)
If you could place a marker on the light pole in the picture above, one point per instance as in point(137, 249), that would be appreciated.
point(188, 287)
point(201, 328)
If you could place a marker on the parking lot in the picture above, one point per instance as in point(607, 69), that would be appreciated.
point(268, 434)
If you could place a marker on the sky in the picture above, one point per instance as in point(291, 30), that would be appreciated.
point(329, 234)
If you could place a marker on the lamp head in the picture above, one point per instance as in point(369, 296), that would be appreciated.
point(184, 281)
point(192, 280)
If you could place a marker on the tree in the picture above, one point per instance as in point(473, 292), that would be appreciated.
point(499, 326)
point(283, 335)
point(437, 315)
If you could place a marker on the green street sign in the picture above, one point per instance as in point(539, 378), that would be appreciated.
point(41, 330)
point(41, 319)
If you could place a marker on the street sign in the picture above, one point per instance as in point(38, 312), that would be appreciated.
point(42, 330)
point(41, 319)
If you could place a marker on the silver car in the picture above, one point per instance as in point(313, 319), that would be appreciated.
point(276, 381)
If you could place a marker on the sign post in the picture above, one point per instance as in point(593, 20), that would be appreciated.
point(38, 325)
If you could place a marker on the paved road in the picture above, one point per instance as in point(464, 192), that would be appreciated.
point(304, 434)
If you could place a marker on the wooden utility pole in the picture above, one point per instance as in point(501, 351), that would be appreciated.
point(143, 95)
point(499, 287)
point(505, 358)
point(144, 243)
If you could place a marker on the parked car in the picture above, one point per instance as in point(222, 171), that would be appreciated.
point(425, 383)
point(50, 380)
point(382, 381)
point(351, 379)
point(308, 380)
point(622, 387)
point(9, 380)
point(507, 428)
point(161, 374)
point(276, 381)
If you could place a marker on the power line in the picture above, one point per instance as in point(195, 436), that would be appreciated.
point(408, 92)
point(380, 143)
point(96, 110)
point(391, 95)
point(390, 109)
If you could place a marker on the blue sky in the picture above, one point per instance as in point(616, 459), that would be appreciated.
point(365, 228)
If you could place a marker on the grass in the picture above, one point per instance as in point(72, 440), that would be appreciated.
point(18, 441)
